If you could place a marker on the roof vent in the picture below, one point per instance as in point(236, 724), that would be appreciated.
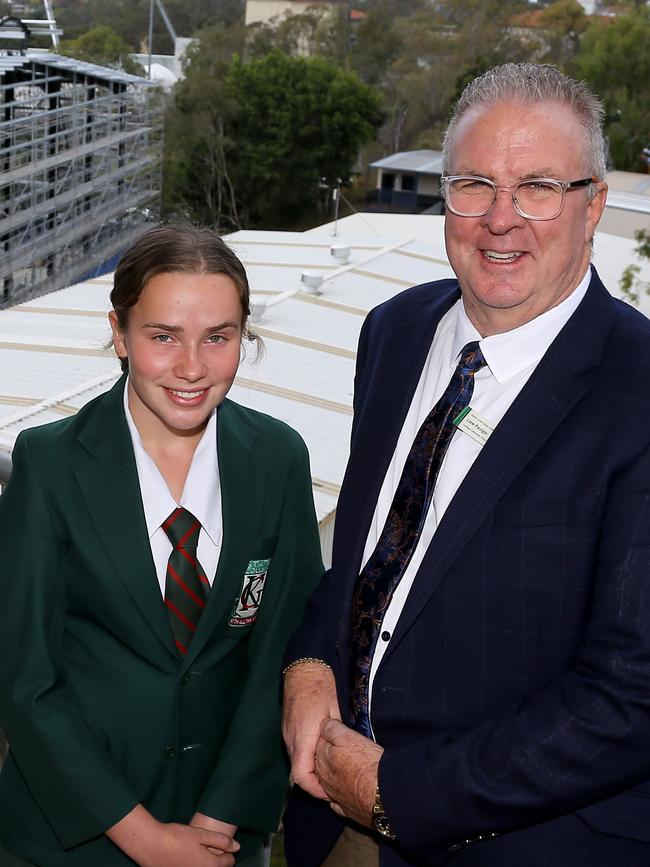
point(258, 309)
point(341, 252)
point(312, 281)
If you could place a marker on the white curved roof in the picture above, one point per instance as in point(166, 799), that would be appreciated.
point(52, 356)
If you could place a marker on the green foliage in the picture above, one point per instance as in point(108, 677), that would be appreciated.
point(247, 139)
point(564, 17)
point(250, 140)
point(320, 30)
point(376, 45)
point(130, 18)
point(564, 22)
point(195, 178)
point(630, 285)
point(426, 56)
point(101, 45)
point(614, 58)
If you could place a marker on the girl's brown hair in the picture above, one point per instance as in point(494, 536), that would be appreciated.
point(176, 247)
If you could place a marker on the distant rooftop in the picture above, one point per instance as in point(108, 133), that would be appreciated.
point(422, 161)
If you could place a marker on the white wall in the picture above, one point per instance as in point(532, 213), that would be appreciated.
point(265, 10)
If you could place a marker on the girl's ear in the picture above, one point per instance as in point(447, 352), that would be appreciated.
point(119, 341)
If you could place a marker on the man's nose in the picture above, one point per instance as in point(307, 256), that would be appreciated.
point(503, 216)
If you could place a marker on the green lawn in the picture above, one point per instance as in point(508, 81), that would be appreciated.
point(277, 851)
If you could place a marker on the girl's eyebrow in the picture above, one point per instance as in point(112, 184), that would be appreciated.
point(177, 329)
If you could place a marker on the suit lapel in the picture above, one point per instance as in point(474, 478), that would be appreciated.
point(555, 387)
point(235, 438)
point(396, 371)
point(109, 486)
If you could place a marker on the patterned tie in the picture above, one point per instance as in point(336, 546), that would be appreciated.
point(186, 587)
point(383, 571)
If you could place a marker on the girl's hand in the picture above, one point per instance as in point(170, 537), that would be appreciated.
point(151, 843)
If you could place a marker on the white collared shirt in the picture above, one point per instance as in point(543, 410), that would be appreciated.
point(201, 496)
point(511, 358)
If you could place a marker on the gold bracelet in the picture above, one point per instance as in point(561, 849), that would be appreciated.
point(305, 659)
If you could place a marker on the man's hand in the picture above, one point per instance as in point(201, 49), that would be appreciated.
point(309, 700)
point(151, 843)
point(347, 765)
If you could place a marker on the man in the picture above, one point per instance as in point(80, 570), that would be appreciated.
point(484, 633)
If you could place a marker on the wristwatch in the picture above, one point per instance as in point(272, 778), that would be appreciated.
point(380, 819)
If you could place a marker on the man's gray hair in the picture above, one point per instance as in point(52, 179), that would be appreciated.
point(530, 84)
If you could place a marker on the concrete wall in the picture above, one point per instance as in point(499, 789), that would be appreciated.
point(617, 221)
point(265, 10)
point(428, 185)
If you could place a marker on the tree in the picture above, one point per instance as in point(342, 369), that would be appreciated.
point(101, 45)
point(632, 286)
point(196, 181)
point(250, 147)
point(319, 30)
point(565, 22)
point(376, 44)
point(130, 18)
point(614, 58)
point(432, 53)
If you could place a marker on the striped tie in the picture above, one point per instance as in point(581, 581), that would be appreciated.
point(186, 587)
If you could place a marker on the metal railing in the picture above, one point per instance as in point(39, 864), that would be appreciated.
point(5, 470)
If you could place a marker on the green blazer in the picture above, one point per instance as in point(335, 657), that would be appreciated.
point(99, 710)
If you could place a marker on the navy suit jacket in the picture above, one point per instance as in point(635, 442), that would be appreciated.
point(514, 696)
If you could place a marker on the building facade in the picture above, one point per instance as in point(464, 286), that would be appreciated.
point(80, 169)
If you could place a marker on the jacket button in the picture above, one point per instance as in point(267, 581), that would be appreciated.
point(185, 679)
point(169, 752)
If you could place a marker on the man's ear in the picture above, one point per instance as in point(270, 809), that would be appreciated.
point(595, 209)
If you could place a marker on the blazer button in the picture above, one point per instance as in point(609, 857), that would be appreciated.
point(185, 679)
point(169, 752)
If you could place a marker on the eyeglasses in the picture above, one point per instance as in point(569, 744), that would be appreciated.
point(534, 199)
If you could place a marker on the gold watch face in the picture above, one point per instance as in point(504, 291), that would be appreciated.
point(382, 825)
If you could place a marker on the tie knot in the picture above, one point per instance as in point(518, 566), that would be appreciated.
point(471, 358)
point(182, 529)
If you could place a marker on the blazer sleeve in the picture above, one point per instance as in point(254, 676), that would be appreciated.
point(68, 773)
point(582, 738)
point(249, 781)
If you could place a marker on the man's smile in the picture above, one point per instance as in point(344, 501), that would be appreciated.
point(495, 256)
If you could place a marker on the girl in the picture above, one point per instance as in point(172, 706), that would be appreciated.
point(156, 550)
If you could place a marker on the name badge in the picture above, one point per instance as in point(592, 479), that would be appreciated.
point(246, 605)
point(474, 425)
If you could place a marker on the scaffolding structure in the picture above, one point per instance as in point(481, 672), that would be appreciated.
point(80, 169)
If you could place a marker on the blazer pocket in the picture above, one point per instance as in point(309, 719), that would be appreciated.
point(547, 513)
point(624, 815)
point(247, 604)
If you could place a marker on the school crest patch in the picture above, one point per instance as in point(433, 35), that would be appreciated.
point(247, 603)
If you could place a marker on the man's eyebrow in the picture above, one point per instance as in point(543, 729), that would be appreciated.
point(551, 174)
